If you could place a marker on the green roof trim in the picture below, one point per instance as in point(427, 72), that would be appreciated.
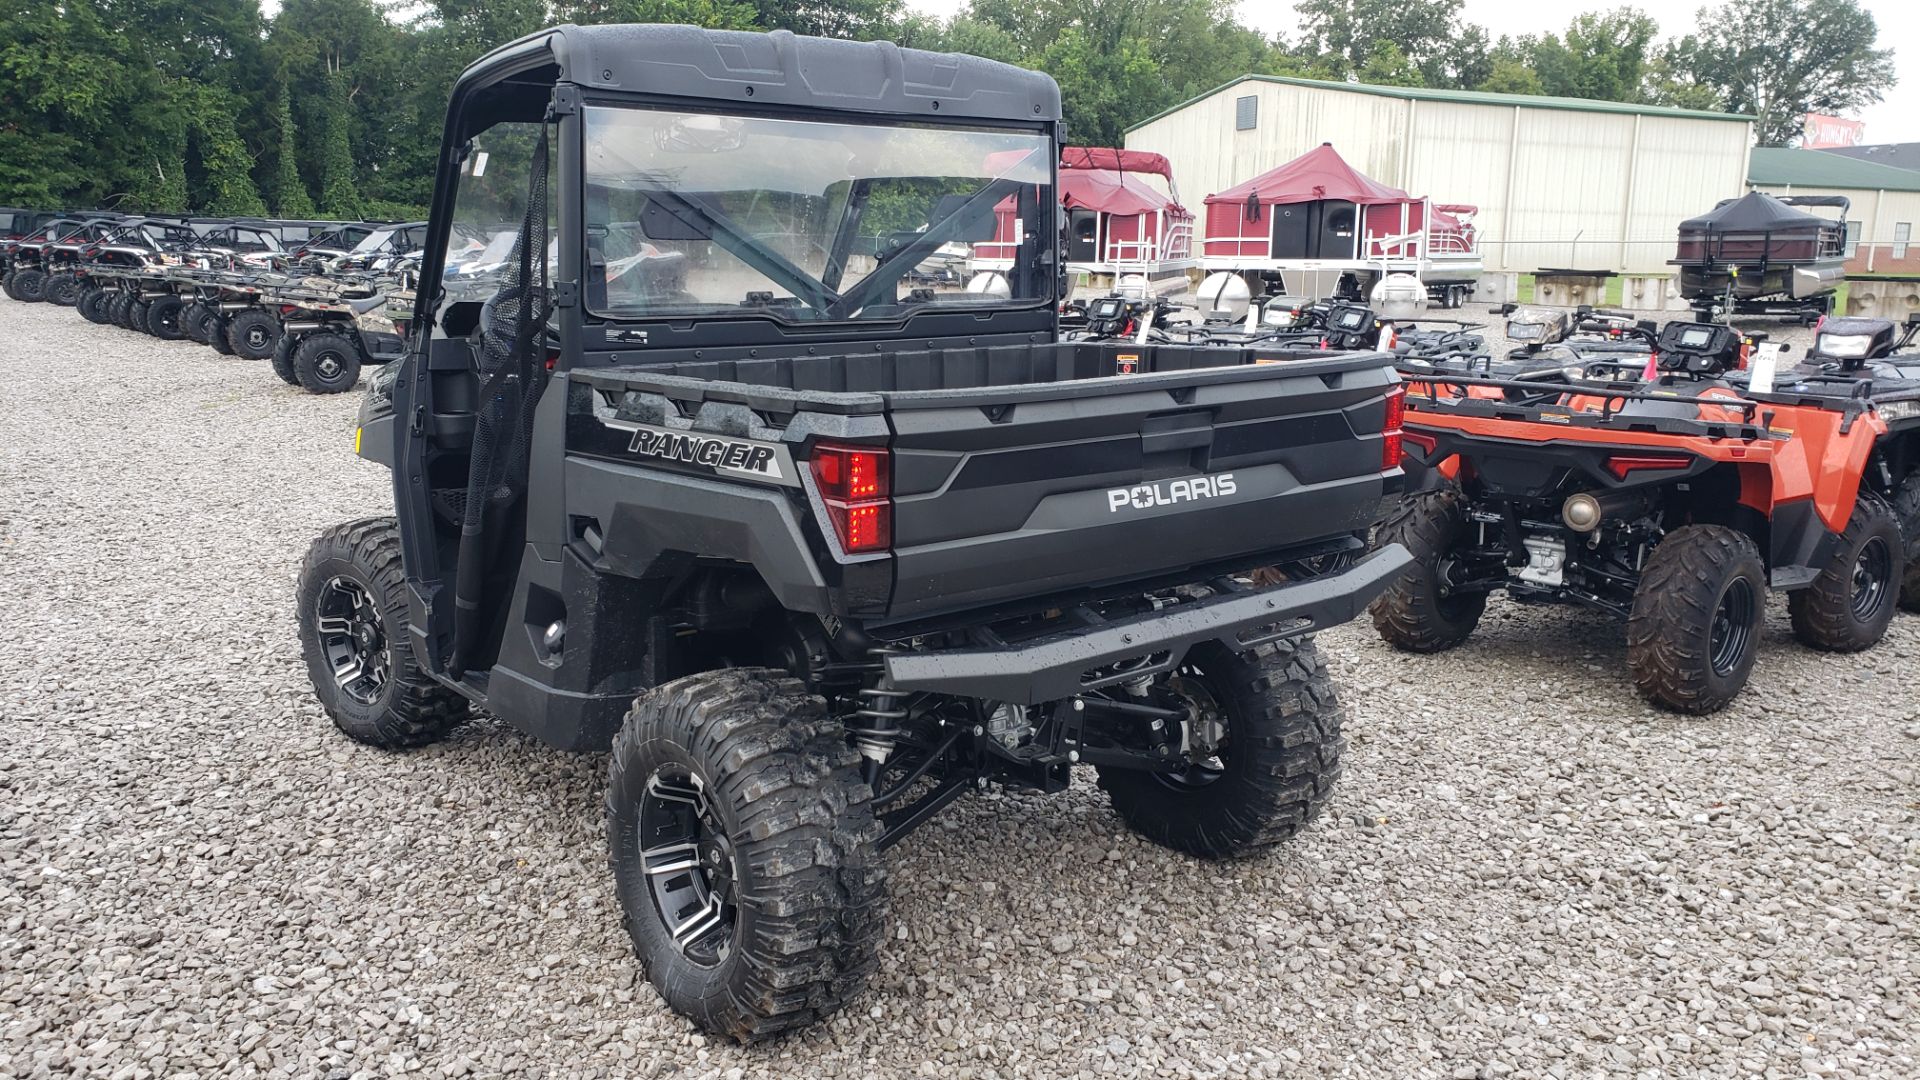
point(1778, 166)
point(1461, 97)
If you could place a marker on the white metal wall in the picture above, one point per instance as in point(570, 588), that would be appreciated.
point(1555, 187)
point(1878, 212)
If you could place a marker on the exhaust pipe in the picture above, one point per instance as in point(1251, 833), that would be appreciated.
point(1584, 512)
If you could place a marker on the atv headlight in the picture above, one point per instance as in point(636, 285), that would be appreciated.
point(1898, 410)
point(1844, 346)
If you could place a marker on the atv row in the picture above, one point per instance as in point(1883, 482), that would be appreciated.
point(1670, 479)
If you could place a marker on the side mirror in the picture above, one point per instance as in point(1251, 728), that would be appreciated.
point(1583, 309)
point(1913, 318)
point(1505, 309)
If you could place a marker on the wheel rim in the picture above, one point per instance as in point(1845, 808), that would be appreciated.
point(689, 863)
point(1732, 626)
point(256, 337)
point(330, 364)
point(353, 639)
point(1204, 734)
point(1872, 572)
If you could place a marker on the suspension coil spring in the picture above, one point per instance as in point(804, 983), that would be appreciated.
point(876, 722)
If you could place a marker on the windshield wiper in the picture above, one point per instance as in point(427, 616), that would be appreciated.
point(744, 247)
point(903, 259)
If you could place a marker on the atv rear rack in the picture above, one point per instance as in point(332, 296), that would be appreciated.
point(1421, 385)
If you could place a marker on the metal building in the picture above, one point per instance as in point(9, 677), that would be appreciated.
point(1559, 182)
point(1885, 210)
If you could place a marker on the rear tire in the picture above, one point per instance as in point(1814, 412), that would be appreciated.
point(1416, 613)
point(253, 333)
point(29, 286)
point(326, 363)
point(1695, 626)
point(1848, 607)
point(163, 318)
point(137, 315)
point(746, 770)
point(217, 335)
point(1906, 509)
point(352, 611)
point(1278, 763)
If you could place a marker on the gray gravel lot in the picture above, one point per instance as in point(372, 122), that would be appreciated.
point(1526, 871)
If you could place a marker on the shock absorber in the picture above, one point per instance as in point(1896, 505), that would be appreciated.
point(882, 710)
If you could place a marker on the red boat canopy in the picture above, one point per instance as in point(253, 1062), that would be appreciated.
point(1318, 174)
point(1110, 192)
point(1106, 157)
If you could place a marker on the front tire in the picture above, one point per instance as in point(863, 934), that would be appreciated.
point(743, 846)
point(62, 289)
point(1417, 613)
point(163, 318)
point(1695, 626)
point(253, 333)
point(326, 363)
point(352, 610)
point(1276, 760)
point(1848, 607)
point(193, 322)
point(93, 306)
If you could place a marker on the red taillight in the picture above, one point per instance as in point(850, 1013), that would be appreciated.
point(855, 484)
point(1392, 453)
point(1622, 464)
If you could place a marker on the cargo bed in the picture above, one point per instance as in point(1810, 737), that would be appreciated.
point(1026, 471)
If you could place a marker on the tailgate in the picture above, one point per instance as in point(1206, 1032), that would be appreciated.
point(1110, 480)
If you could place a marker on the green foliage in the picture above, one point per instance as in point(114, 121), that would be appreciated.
point(207, 104)
point(290, 197)
point(339, 195)
point(1778, 59)
point(230, 191)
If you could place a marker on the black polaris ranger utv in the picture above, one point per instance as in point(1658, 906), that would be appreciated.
point(812, 548)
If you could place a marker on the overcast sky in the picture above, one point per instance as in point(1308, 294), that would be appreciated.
point(1897, 119)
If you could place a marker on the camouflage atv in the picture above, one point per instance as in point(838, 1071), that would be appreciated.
point(331, 327)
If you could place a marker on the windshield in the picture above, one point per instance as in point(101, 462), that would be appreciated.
point(691, 213)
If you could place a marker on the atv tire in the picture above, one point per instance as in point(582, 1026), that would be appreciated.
point(1848, 607)
point(1906, 509)
point(193, 322)
point(29, 286)
point(93, 305)
point(282, 359)
point(62, 289)
point(117, 306)
point(1414, 613)
point(164, 318)
point(1279, 759)
point(217, 335)
point(253, 333)
point(137, 315)
point(736, 784)
point(1696, 621)
point(352, 612)
point(326, 363)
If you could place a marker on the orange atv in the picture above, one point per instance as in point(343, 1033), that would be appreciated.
point(1673, 499)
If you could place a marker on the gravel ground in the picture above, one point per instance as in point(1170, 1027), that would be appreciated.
point(1526, 872)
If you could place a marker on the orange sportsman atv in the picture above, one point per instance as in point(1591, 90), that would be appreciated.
point(1673, 502)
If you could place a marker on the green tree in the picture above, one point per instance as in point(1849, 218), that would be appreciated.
point(339, 195)
point(229, 187)
point(1780, 59)
point(1599, 56)
point(1428, 34)
point(290, 197)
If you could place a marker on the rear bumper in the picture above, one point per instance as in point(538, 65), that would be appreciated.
point(1066, 664)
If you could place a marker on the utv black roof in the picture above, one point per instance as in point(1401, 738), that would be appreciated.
point(771, 70)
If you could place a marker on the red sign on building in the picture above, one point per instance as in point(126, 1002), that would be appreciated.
point(1822, 132)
